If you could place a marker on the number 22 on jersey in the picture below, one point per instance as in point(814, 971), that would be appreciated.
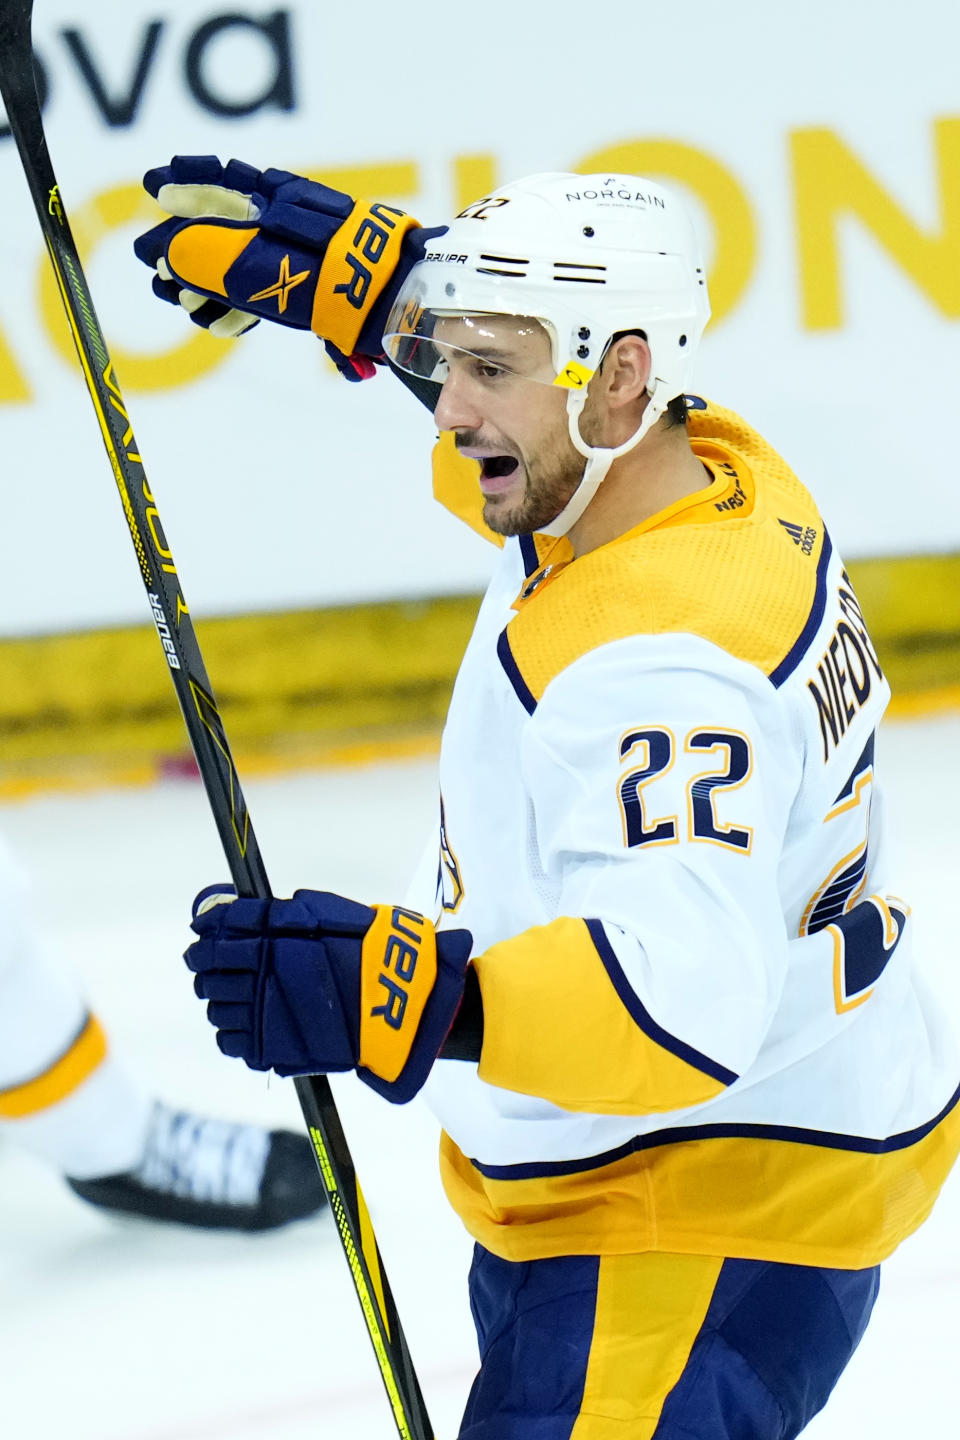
point(652, 752)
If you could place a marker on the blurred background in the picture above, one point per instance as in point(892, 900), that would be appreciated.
point(333, 597)
point(820, 148)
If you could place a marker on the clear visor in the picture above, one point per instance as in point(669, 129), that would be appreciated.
point(433, 344)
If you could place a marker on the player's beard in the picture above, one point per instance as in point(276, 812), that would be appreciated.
point(550, 480)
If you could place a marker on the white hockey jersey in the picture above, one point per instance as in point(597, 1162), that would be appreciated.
point(661, 823)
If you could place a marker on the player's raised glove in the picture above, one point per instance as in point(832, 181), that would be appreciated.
point(245, 244)
point(319, 983)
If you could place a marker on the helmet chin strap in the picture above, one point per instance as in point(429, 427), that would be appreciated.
point(598, 458)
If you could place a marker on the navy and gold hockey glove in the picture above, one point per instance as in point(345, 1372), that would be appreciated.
point(319, 983)
point(244, 245)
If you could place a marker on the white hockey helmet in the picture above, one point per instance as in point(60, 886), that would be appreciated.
point(587, 256)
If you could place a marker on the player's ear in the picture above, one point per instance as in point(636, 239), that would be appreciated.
point(627, 370)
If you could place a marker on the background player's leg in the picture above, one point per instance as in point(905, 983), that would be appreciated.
point(64, 1098)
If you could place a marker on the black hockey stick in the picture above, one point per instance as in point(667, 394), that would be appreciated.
point(202, 718)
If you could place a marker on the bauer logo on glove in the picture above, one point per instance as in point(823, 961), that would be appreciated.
point(319, 983)
point(397, 974)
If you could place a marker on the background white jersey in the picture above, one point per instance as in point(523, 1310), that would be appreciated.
point(63, 1096)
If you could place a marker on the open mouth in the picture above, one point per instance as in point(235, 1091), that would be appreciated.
point(497, 467)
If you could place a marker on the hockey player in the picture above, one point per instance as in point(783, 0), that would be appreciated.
point(692, 1090)
point(64, 1098)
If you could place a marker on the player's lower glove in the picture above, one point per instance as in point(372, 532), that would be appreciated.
point(246, 244)
point(319, 983)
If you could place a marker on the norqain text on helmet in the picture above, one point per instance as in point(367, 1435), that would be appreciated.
point(636, 197)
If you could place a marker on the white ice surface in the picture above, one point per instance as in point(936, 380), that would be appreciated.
point(123, 1331)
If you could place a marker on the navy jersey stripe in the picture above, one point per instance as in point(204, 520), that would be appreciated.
point(825, 1139)
point(799, 647)
point(524, 693)
point(528, 549)
point(642, 1017)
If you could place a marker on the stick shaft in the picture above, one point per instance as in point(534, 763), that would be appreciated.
point(202, 718)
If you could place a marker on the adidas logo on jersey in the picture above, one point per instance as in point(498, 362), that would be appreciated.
point(804, 536)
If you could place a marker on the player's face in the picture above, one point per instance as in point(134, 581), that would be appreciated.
point(499, 401)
